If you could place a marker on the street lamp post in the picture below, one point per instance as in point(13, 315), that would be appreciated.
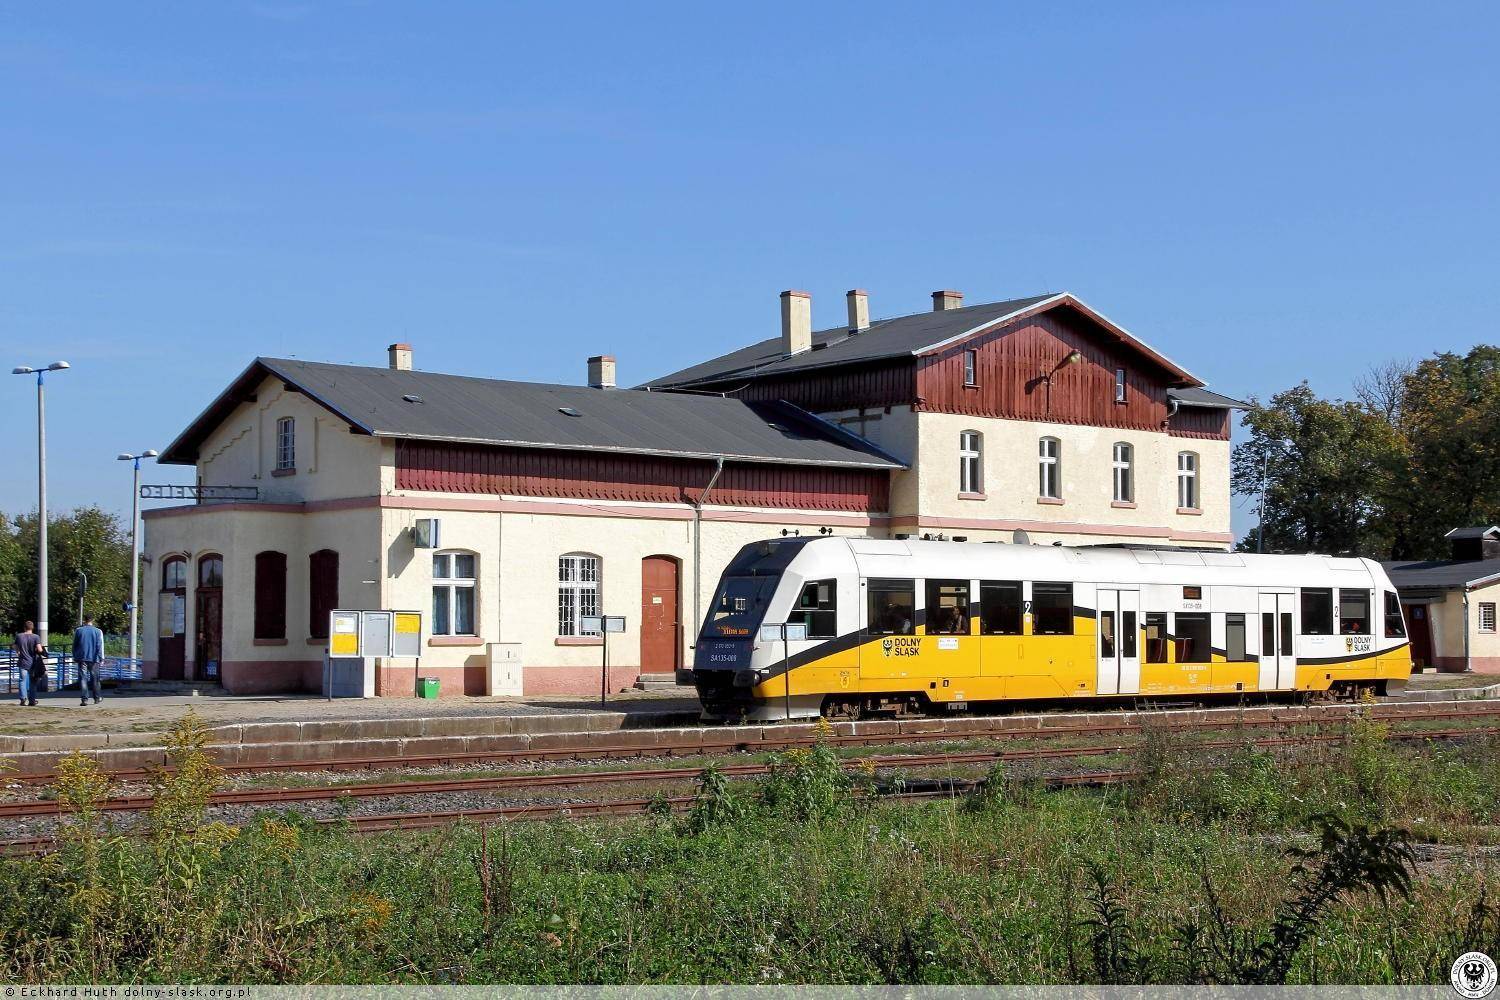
point(135, 545)
point(41, 490)
point(1265, 458)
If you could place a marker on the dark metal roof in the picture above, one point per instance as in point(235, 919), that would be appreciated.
point(1478, 531)
point(1442, 573)
point(1198, 396)
point(902, 336)
point(457, 408)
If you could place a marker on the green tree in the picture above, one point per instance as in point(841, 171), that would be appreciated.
point(87, 540)
point(1325, 491)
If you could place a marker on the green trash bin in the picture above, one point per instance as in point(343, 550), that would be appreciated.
point(427, 687)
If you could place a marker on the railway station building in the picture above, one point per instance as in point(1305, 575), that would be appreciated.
point(1450, 604)
point(509, 512)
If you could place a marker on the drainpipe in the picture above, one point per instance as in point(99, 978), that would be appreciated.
point(698, 546)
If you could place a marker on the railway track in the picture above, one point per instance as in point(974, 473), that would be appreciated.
point(770, 740)
point(324, 793)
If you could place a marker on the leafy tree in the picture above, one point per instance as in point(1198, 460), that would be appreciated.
point(87, 540)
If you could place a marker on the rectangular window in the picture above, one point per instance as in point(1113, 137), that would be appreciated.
point(1395, 626)
point(1049, 469)
point(1192, 638)
point(1124, 474)
point(1354, 612)
point(971, 367)
point(1052, 609)
point(817, 608)
point(892, 607)
point(947, 607)
point(1156, 637)
point(454, 583)
point(1486, 616)
point(1000, 608)
point(1187, 480)
point(1129, 634)
point(323, 591)
point(1119, 385)
point(577, 592)
point(1317, 611)
point(270, 595)
point(1234, 638)
point(286, 444)
point(1106, 634)
point(970, 462)
point(1267, 633)
point(1286, 633)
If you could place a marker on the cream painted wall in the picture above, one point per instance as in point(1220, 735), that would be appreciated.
point(896, 432)
point(1448, 627)
point(1010, 476)
point(331, 463)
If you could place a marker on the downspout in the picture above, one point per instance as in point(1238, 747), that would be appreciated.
point(698, 547)
point(1468, 663)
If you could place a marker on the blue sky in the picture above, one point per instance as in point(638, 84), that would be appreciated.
point(1265, 192)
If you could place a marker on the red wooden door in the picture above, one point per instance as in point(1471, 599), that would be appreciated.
point(661, 647)
point(1417, 620)
point(171, 620)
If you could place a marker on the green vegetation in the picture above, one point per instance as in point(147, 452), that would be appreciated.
point(1251, 868)
point(88, 540)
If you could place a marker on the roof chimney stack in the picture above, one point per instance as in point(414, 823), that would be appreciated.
point(947, 299)
point(859, 310)
point(796, 322)
point(602, 371)
point(400, 355)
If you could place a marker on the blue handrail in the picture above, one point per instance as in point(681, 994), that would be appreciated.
point(61, 671)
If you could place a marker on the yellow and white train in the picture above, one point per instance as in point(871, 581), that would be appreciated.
point(846, 626)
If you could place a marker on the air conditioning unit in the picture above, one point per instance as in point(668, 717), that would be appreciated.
point(502, 674)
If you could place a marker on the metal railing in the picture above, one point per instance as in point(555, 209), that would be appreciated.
point(62, 671)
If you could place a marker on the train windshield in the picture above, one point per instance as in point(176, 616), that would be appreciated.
point(739, 606)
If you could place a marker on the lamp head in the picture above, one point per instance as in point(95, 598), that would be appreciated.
point(123, 457)
point(58, 366)
point(1073, 358)
point(150, 453)
point(23, 370)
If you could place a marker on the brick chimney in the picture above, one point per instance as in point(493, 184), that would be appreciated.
point(602, 371)
point(859, 309)
point(796, 322)
point(947, 299)
point(400, 355)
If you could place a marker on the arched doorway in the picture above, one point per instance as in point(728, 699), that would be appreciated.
point(171, 619)
point(210, 616)
point(661, 627)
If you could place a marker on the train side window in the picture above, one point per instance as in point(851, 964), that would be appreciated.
point(1317, 611)
point(1129, 634)
point(1234, 638)
point(892, 607)
point(1000, 607)
point(1267, 633)
point(1192, 638)
point(1106, 633)
point(1156, 637)
point(1354, 612)
point(1395, 626)
point(1286, 633)
point(1052, 609)
point(947, 607)
point(817, 608)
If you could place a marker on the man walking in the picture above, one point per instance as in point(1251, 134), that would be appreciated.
point(28, 643)
point(88, 653)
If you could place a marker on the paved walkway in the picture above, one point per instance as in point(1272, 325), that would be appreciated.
point(60, 714)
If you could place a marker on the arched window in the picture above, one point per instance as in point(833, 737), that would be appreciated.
point(577, 592)
point(211, 571)
point(270, 595)
point(1049, 468)
point(970, 462)
point(1187, 480)
point(455, 586)
point(286, 444)
point(322, 591)
point(174, 574)
point(1124, 472)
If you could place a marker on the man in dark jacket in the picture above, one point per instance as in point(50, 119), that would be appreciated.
point(88, 653)
point(28, 643)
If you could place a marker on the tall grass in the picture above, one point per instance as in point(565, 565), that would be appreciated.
point(1248, 868)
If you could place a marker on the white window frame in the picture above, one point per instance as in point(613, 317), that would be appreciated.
point(452, 584)
point(1123, 467)
point(1120, 385)
point(1049, 468)
point(1187, 481)
point(1486, 616)
point(970, 462)
point(579, 583)
point(286, 443)
point(971, 367)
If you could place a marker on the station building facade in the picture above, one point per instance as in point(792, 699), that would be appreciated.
point(1032, 420)
point(1450, 604)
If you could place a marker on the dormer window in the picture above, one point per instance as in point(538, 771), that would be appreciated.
point(286, 444)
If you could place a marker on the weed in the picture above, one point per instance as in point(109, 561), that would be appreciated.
point(715, 803)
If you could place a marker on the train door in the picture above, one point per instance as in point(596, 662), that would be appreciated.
point(1119, 642)
point(1278, 665)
